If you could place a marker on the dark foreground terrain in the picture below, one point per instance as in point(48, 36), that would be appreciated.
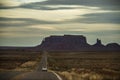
point(86, 65)
point(69, 65)
point(24, 65)
point(19, 60)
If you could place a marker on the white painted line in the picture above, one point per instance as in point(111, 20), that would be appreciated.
point(57, 75)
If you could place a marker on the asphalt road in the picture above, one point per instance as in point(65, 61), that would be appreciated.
point(43, 62)
point(28, 76)
point(38, 74)
point(9, 75)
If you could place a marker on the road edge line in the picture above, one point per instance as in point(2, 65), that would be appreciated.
point(57, 75)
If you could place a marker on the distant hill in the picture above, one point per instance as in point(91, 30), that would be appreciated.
point(68, 43)
point(74, 43)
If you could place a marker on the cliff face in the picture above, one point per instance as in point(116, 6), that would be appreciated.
point(73, 43)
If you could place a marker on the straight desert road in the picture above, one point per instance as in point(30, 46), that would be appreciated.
point(40, 73)
point(28, 76)
point(43, 63)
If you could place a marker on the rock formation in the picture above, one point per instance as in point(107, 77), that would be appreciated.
point(74, 43)
point(68, 43)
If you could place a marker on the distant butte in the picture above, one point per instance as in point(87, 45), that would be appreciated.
point(68, 43)
point(74, 43)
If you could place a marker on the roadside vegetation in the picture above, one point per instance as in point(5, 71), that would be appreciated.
point(69, 65)
point(19, 60)
point(85, 65)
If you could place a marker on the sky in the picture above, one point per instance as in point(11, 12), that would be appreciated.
point(28, 22)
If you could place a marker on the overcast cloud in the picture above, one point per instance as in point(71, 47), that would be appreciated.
point(27, 22)
point(103, 4)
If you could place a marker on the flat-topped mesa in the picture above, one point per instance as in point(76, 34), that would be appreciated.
point(74, 43)
point(66, 42)
point(69, 39)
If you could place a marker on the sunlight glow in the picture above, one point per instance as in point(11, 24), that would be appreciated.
point(30, 1)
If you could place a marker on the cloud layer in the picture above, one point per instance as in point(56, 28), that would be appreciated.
point(28, 23)
point(16, 22)
point(104, 4)
point(107, 17)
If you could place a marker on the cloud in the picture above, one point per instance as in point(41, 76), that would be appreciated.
point(104, 4)
point(106, 17)
point(37, 6)
point(43, 5)
point(5, 4)
point(9, 4)
point(30, 1)
point(96, 18)
point(18, 22)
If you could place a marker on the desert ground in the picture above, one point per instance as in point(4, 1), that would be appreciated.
point(69, 65)
point(19, 60)
point(86, 65)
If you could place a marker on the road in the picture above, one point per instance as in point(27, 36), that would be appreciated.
point(38, 74)
point(43, 62)
point(27, 76)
